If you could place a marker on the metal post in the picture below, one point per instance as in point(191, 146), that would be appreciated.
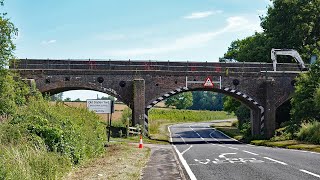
point(109, 119)
point(186, 81)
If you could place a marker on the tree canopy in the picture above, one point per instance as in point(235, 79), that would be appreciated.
point(180, 101)
point(7, 32)
point(288, 24)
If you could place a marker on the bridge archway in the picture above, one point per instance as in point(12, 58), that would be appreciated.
point(252, 104)
point(60, 89)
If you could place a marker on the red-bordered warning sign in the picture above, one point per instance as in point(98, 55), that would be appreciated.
point(208, 83)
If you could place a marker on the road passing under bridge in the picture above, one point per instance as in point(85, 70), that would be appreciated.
point(208, 154)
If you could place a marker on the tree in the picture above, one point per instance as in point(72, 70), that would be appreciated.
point(57, 97)
point(305, 102)
point(293, 24)
point(108, 98)
point(251, 49)
point(13, 93)
point(317, 97)
point(180, 101)
point(67, 99)
point(206, 100)
point(7, 33)
point(241, 111)
point(77, 100)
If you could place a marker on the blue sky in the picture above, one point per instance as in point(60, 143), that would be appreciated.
point(175, 30)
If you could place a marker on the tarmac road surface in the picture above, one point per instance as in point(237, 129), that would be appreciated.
point(206, 153)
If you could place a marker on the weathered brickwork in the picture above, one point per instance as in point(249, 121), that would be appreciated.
point(141, 85)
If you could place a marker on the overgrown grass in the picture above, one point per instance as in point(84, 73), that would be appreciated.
point(310, 132)
point(289, 144)
point(120, 161)
point(42, 141)
point(160, 119)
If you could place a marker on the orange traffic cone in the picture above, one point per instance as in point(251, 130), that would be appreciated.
point(140, 143)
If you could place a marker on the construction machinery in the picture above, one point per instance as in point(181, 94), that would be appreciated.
point(288, 52)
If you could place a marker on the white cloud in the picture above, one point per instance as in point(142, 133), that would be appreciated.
point(203, 14)
point(234, 24)
point(46, 42)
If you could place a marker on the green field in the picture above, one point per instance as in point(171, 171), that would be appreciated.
point(160, 119)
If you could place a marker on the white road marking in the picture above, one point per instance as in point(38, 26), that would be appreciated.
point(275, 161)
point(183, 161)
point(197, 134)
point(308, 172)
point(182, 139)
point(170, 135)
point(221, 145)
point(250, 153)
point(228, 136)
point(223, 155)
point(187, 149)
point(233, 148)
point(202, 161)
point(213, 137)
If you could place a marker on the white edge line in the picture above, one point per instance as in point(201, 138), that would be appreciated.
point(233, 148)
point(250, 152)
point(308, 172)
point(183, 161)
point(276, 161)
point(170, 140)
point(227, 135)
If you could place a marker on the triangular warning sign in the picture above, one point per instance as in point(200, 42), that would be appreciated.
point(208, 82)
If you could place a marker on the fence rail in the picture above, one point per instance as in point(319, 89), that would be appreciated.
point(134, 131)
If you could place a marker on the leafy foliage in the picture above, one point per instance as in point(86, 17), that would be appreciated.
point(38, 140)
point(251, 49)
point(7, 33)
point(305, 102)
point(310, 132)
point(293, 24)
point(241, 111)
point(180, 101)
point(206, 100)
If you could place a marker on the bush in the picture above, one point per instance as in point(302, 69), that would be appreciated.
point(45, 140)
point(245, 129)
point(126, 114)
point(310, 132)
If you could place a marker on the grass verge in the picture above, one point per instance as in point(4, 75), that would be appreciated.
point(120, 161)
point(289, 144)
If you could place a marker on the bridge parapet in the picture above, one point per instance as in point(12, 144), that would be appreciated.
point(150, 65)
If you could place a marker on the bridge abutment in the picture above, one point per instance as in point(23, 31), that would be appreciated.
point(255, 122)
point(270, 110)
point(138, 108)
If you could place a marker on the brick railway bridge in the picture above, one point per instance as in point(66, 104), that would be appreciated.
point(142, 84)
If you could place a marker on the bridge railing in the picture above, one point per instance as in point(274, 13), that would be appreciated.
point(149, 65)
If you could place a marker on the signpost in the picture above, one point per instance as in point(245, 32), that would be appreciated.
point(102, 107)
point(208, 83)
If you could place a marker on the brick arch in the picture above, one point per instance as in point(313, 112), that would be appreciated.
point(109, 91)
point(247, 100)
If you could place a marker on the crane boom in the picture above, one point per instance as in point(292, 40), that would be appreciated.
point(288, 52)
